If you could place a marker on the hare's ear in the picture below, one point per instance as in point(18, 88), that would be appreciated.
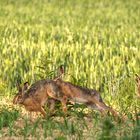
point(61, 69)
point(18, 87)
point(25, 86)
point(60, 73)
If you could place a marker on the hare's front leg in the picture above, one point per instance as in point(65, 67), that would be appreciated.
point(51, 105)
point(63, 102)
point(42, 111)
point(37, 106)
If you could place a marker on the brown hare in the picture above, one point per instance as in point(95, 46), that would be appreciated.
point(35, 97)
point(81, 95)
point(137, 78)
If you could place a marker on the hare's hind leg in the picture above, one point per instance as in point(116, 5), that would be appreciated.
point(114, 113)
point(111, 110)
point(94, 107)
point(103, 107)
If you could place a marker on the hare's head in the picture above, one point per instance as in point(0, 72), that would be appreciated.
point(21, 90)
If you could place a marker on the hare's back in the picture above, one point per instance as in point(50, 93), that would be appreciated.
point(37, 86)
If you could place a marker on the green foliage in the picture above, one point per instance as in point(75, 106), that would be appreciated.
point(96, 40)
point(107, 130)
point(7, 117)
point(60, 138)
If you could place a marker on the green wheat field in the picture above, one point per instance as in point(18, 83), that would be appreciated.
point(97, 41)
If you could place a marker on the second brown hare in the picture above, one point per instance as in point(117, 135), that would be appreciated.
point(82, 95)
